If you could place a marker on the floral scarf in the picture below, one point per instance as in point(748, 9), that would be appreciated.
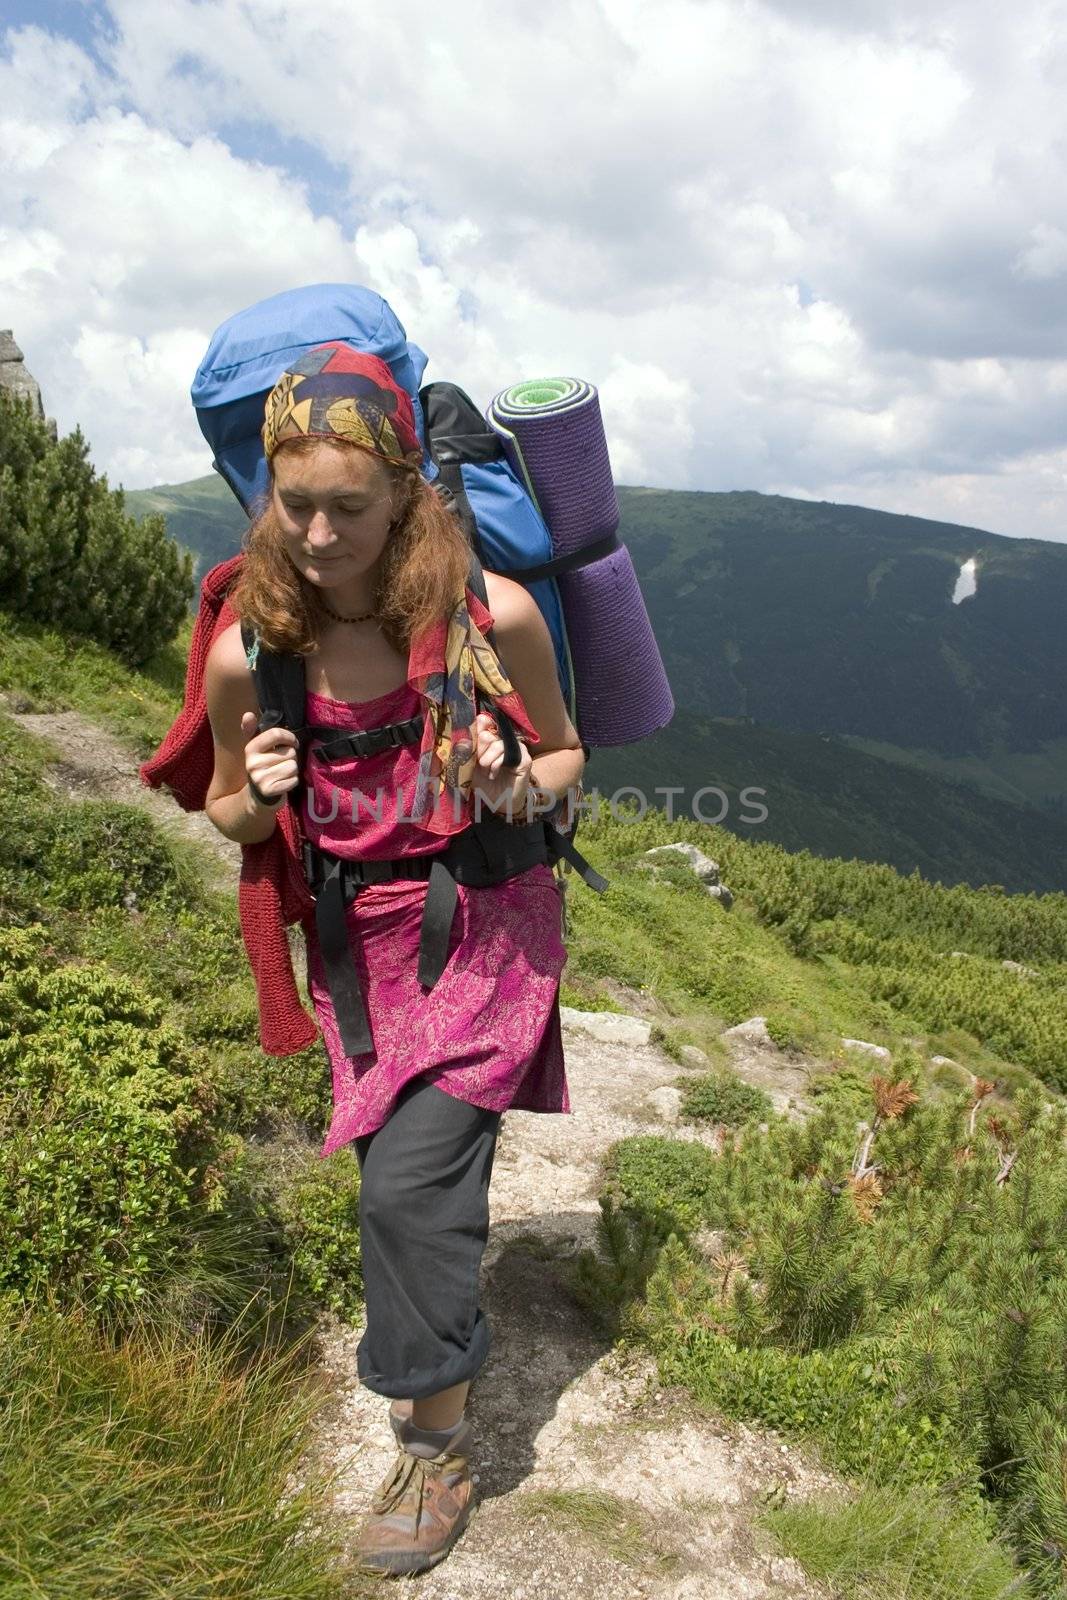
point(447, 665)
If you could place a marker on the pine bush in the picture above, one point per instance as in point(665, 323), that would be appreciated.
point(70, 554)
point(896, 1293)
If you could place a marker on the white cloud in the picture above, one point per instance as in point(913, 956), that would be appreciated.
point(813, 247)
point(1045, 256)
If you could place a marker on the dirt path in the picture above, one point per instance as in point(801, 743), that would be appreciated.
point(556, 1411)
point(91, 764)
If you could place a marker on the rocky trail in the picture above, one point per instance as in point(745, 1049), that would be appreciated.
point(556, 1410)
point(558, 1414)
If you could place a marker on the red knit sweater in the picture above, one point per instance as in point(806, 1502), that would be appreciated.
point(273, 892)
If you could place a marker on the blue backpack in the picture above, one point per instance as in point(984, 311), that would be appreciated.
point(463, 455)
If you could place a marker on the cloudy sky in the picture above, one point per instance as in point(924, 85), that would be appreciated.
point(812, 247)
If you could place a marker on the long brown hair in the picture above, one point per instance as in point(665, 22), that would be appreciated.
point(424, 568)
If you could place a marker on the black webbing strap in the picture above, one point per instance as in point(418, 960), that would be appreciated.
point(335, 880)
point(331, 744)
point(559, 844)
point(342, 979)
point(437, 913)
point(568, 563)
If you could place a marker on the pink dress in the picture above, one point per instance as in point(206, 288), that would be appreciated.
point(488, 1032)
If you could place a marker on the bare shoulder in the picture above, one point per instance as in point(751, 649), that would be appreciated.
point(226, 660)
point(527, 654)
point(514, 608)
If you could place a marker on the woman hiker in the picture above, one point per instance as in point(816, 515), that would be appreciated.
point(357, 565)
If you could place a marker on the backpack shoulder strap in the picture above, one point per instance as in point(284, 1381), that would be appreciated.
point(279, 681)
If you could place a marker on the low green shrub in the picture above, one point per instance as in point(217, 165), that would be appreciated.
point(725, 1098)
point(82, 857)
point(896, 1294)
point(669, 1182)
point(106, 1139)
point(848, 1401)
point(846, 1087)
point(319, 1207)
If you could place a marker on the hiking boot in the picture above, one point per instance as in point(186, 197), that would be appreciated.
point(421, 1507)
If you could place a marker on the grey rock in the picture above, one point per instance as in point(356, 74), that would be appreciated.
point(15, 377)
point(706, 869)
point(943, 1061)
point(693, 1056)
point(721, 893)
point(1017, 966)
point(610, 1027)
point(865, 1047)
point(667, 1102)
point(753, 1031)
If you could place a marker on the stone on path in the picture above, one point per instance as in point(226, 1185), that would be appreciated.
point(708, 871)
point(611, 1027)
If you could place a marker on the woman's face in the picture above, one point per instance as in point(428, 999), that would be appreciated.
point(334, 506)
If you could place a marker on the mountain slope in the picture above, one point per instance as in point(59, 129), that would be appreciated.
point(815, 617)
point(823, 796)
point(836, 619)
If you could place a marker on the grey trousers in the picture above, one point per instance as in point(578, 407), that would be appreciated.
point(424, 1221)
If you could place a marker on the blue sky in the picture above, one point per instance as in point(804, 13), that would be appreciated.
point(807, 247)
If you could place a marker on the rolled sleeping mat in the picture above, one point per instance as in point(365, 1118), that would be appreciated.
point(553, 436)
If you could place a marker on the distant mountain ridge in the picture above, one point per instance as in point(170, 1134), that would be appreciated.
point(813, 624)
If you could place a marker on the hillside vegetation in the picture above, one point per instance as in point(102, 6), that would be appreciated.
point(886, 1280)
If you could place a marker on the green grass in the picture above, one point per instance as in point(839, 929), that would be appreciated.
point(158, 1468)
point(825, 950)
point(171, 1231)
point(49, 671)
point(612, 1525)
point(882, 1544)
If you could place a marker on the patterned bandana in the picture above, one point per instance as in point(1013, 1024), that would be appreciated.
point(447, 773)
point(335, 392)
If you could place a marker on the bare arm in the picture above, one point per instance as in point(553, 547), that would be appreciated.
point(239, 750)
point(528, 655)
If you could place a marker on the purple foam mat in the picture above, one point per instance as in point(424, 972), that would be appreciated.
point(566, 457)
point(621, 687)
point(553, 435)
